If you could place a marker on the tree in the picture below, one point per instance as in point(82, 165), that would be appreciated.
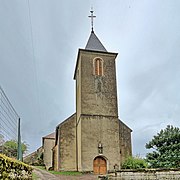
point(10, 148)
point(166, 146)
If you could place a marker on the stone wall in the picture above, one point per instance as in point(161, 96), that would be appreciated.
point(148, 174)
point(48, 145)
point(98, 91)
point(125, 141)
point(55, 158)
point(97, 129)
point(67, 144)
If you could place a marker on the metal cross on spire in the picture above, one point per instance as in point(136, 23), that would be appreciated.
point(92, 16)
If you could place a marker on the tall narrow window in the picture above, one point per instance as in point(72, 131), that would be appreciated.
point(98, 67)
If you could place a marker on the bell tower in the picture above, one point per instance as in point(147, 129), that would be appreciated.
point(95, 75)
point(97, 124)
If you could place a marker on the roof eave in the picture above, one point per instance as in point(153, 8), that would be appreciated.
point(88, 50)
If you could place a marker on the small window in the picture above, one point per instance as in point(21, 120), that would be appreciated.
point(98, 67)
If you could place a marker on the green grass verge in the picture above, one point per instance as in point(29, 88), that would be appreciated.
point(66, 173)
point(41, 167)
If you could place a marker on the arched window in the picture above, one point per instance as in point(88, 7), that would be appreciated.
point(98, 67)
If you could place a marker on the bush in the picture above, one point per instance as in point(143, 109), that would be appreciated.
point(134, 163)
point(13, 169)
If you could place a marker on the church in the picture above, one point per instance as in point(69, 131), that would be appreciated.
point(93, 139)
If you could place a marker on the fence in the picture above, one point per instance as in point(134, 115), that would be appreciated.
point(8, 120)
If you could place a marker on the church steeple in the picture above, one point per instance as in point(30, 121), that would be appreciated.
point(94, 43)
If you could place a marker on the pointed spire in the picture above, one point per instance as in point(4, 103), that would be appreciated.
point(94, 43)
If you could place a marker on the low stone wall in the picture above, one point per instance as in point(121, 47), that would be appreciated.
point(147, 174)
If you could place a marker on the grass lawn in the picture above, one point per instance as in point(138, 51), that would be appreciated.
point(66, 173)
point(41, 167)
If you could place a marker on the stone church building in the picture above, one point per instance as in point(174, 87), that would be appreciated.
point(94, 138)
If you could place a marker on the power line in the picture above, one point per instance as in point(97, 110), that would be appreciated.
point(8, 118)
point(7, 113)
point(3, 93)
point(34, 57)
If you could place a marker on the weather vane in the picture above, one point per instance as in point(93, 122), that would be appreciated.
point(92, 16)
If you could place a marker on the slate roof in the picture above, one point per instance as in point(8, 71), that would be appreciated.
point(94, 43)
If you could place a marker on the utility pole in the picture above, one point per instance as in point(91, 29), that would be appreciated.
point(19, 152)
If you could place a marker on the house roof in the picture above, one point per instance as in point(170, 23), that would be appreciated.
point(50, 136)
point(94, 43)
point(125, 125)
point(66, 120)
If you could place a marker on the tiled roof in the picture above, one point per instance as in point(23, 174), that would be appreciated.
point(94, 43)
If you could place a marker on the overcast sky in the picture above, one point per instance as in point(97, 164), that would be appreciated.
point(39, 41)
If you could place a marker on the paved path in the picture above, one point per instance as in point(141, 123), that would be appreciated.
point(44, 175)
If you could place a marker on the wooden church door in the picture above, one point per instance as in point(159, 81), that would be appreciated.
point(99, 165)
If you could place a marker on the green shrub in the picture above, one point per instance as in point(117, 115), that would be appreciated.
point(13, 169)
point(134, 163)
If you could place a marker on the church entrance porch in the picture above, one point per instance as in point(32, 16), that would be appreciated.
point(99, 165)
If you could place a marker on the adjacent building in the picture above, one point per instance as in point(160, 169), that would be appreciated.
point(48, 143)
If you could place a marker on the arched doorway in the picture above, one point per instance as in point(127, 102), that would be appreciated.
point(99, 165)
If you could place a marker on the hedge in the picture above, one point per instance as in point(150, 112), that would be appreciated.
point(134, 163)
point(14, 169)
